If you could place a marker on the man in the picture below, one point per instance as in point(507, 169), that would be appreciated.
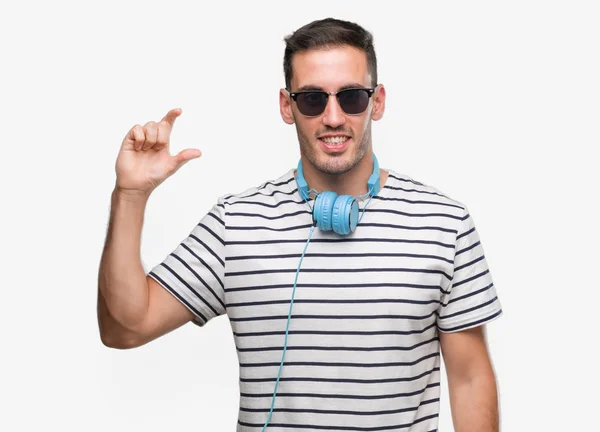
point(338, 319)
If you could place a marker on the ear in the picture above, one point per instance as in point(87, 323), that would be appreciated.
point(378, 103)
point(285, 107)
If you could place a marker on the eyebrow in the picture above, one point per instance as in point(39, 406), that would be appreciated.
point(344, 87)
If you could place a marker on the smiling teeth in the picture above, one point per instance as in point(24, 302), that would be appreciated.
point(335, 140)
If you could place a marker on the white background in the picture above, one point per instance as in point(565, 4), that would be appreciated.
point(497, 104)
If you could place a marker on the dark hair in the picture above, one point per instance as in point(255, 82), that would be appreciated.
point(329, 33)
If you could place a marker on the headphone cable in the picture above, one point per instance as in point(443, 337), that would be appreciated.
point(287, 327)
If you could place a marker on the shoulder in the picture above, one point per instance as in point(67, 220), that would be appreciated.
point(284, 184)
point(400, 184)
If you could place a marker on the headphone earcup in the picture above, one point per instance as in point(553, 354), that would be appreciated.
point(344, 215)
point(322, 210)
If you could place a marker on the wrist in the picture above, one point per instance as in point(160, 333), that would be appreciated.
point(131, 195)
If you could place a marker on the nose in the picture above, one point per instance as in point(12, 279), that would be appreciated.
point(333, 116)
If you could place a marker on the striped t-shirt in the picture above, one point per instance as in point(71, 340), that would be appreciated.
point(363, 351)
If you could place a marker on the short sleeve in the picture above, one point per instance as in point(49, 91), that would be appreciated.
point(194, 271)
point(471, 300)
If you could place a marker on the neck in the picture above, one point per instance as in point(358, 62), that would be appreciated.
point(352, 182)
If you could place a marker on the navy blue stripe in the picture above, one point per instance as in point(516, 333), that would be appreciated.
point(251, 228)
point(338, 428)
point(474, 245)
point(366, 285)
point(335, 332)
point(464, 311)
point(258, 203)
point(338, 270)
point(408, 227)
point(469, 324)
point(333, 317)
point(277, 191)
point(319, 411)
point(342, 380)
point(285, 215)
point(373, 210)
point(380, 198)
point(188, 286)
point(342, 396)
point(261, 187)
point(342, 364)
point(331, 348)
point(218, 258)
point(332, 301)
point(205, 264)
point(304, 226)
point(472, 278)
point(176, 294)
point(216, 218)
point(390, 175)
point(466, 233)
point(206, 285)
point(468, 264)
point(339, 240)
point(212, 232)
point(472, 293)
point(337, 255)
point(414, 190)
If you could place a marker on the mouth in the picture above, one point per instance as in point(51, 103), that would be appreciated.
point(335, 144)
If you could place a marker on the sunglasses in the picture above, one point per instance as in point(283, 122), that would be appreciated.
point(312, 103)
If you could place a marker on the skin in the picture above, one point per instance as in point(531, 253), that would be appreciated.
point(471, 381)
point(343, 172)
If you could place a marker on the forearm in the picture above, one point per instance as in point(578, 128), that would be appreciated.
point(122, 286)
point(474, 404)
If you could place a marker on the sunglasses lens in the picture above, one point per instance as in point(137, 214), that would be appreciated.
point(353, 101)
point(311, 103)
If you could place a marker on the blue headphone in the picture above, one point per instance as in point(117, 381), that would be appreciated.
point(333, 212)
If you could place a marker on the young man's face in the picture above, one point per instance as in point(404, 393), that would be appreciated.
point(331, 70)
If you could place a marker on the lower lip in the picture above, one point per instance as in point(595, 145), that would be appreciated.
point(334, 148)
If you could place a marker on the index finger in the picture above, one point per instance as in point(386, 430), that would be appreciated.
point(171, 116)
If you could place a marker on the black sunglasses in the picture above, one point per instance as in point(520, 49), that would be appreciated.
point(312, 103)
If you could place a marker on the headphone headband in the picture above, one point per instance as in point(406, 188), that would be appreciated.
point(372, 184)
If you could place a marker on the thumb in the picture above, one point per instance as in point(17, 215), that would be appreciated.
point(184, 156)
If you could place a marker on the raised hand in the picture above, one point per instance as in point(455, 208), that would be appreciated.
point(144, 160)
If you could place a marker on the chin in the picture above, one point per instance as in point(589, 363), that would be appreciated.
point(335, 163)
